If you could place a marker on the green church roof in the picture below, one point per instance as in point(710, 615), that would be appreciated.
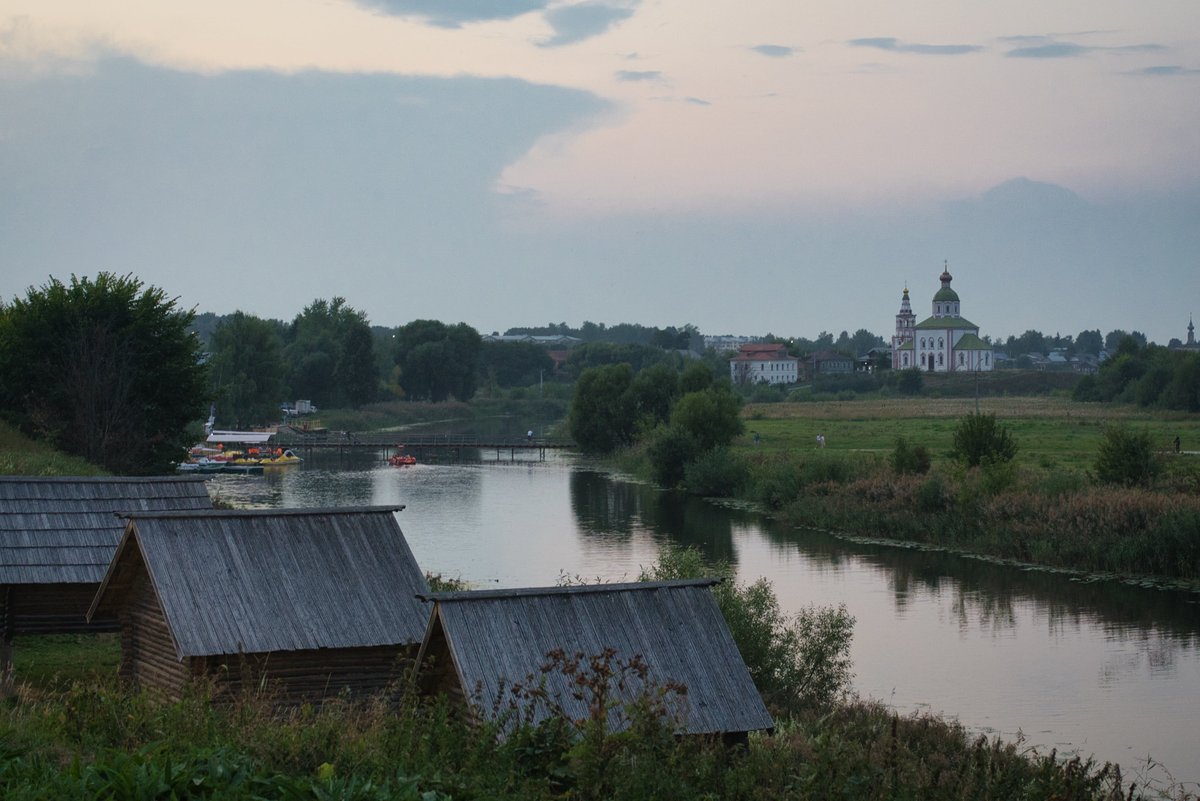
point(945, 293)
point(971, 342)
point(955, 323)
point(908, 345)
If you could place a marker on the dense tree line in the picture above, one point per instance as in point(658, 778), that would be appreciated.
point(670, 338)
point(1148, 375)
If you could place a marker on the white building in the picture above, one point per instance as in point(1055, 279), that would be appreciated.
point(945, 342)
point(764, 364)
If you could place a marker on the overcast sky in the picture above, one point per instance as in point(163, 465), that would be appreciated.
point(747, 167)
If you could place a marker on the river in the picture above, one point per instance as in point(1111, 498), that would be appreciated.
point(1101, 668)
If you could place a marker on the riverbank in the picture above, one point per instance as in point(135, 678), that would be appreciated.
point(1044, 508)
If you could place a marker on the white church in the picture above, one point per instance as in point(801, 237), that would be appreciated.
point(943, 343)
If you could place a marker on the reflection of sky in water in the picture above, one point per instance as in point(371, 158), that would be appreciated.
point(1100, 668)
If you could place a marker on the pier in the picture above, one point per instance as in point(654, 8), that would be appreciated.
point(394, 442)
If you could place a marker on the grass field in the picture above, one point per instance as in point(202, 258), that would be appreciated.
point(1051, 433)
point(21, 456)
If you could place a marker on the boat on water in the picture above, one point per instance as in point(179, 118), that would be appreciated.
point(402, 459)
point(250, 452)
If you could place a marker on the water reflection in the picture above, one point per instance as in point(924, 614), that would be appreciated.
point(615, 510)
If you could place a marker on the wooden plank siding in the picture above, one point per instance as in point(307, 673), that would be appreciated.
point(302, 604)
point(485, 641)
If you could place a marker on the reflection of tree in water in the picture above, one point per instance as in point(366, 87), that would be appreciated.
point(616, 510)
point(987, 594)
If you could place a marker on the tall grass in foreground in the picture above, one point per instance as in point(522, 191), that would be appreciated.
point(21, 456)
point(100, 740)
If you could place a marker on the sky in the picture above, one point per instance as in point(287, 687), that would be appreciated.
point(747, 168)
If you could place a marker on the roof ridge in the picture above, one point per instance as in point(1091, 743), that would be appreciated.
point(573, 589)
point(297, 512)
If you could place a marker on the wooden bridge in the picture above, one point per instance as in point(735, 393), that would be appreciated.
point(395, 442)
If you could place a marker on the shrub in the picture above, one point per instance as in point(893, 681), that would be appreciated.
point(979, 438)
point(670, 450)
point(715, 474)
point(932, 495)
point(907, 458)
point(1126, 457)
point(796, 663)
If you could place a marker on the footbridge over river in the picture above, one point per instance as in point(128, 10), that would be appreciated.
point(451, 446)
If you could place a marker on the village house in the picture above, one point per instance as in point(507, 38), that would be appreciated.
point(828, 362)
point(309, 603)
point(479, 644)
point(58, 536)
point(764, 363)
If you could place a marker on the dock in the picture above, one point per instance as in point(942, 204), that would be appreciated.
point(395, 442)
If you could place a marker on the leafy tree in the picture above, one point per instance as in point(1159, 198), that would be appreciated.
point(1126, 457)
point(602, 414)
point(710, 416)
point(514, 364)
point(670, 450)
point(331, 355)
point(696, 376)
point(654, 391)
point(910, 381)
point(594, 354)
point(247, 369)
point(105, 369)
point(1112, 340)
point(1089, 342)
point(980, 439)
point(438, 361)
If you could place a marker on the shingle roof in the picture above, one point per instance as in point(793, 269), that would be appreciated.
point(971, 342)
point(64, 530)
point(271, 580)
point(498, 637)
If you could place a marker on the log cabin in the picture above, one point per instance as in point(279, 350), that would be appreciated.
point(305, 604)
point(480, 645)
point(58, 536)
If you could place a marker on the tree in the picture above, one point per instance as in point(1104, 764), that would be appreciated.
point(979, 439)
point(515, 364)
point(1125, 457)
point(710, 416)
point(1089, 342)
point(438, 361)
point(602, 416)
point(247, 369)
point(331, 355)
point(104, 369)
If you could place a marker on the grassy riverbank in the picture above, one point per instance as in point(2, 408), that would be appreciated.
point(85, 737)
point(1045, 507)
point(21, 456)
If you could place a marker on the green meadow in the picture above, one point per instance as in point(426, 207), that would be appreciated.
point(1052, 433)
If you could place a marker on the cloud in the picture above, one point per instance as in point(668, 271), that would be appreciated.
point(454, 13)
point(582, 21)
point(773, 51)
point(1166, 69)
point(373, 186)
point(1053, 49)
point(696, 101)
point(639, 75)
point(896, 46)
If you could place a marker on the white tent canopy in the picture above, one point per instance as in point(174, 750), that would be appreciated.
point(240, 437)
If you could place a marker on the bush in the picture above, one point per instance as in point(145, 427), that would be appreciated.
point(715, 474)
point(1126, 457)
point(907, 458)
point(797, 663)
point(670, 450)
point(979, 438)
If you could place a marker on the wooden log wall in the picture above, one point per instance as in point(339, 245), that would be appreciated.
point(51, 609)
point(293, 677)
point(148, 656)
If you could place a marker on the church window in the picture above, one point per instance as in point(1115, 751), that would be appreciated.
point(960, 358)
point(941, 342)
point(941, 361)
point(922, 343)
point(906, 360)
point(985, 358)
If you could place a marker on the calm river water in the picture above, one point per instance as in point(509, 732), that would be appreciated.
point(1095, 668)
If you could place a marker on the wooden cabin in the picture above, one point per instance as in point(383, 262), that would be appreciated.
point(479, 644)
point(306, 603)
point(58, 536)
